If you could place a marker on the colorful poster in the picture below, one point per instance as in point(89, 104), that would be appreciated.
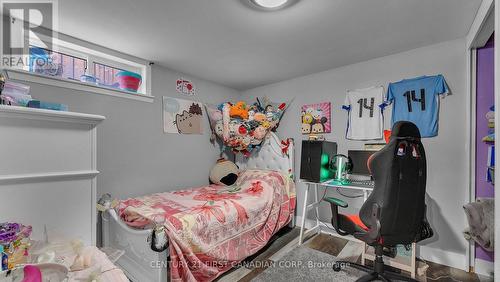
point(185, 87)
point(182, 116)
point(316, 118)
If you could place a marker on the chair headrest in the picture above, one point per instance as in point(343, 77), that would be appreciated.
point(405, 129)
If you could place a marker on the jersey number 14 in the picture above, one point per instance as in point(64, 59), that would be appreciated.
point(363, 104)
point(412, 97)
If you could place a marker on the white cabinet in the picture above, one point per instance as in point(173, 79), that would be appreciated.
point(48, 170)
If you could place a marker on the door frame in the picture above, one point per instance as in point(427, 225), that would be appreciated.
point(483, 26)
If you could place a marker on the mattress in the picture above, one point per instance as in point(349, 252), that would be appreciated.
point(212, 228)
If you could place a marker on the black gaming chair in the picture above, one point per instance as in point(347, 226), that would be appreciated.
point(395, 212)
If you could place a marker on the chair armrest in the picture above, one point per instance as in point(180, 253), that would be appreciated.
point(337, 202)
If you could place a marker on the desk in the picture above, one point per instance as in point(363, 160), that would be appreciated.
point(397, 263)
point(308, 206)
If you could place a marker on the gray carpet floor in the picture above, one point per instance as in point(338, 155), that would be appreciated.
point(305, 264)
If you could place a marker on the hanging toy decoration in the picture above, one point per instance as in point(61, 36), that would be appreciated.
point(241, 126)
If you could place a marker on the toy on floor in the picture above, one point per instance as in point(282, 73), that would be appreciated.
point(224, 172)
point(32, 274)
point(15, 242)
point(83, 259)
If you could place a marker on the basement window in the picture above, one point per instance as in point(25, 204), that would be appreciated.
point(51, 63)
point(107, 75)
point(83, 66)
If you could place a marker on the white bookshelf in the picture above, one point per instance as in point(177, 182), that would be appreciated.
point(48, 170)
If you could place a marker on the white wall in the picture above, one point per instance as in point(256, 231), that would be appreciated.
point(135, 157)
point(446, 153)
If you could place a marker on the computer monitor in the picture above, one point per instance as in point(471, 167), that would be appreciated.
point(359, 159)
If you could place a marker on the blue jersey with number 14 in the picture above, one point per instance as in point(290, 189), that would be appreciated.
point(417, 100)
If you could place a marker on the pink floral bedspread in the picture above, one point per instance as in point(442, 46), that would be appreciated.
point(213, 228)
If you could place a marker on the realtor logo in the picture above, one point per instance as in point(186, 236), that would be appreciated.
point(24, 22)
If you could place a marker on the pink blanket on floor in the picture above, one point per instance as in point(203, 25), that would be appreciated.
point(213, 228)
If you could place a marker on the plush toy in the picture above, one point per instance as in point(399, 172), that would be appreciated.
point(260, 132)
point(219, 128)
point(242, 130)
point(307, 118)
point(83, 259)
point(251, 115)
point(243, 127)
point(259, 117)
point(224, 172)
point(32, 274)
point(239, 110)
point(266, 124)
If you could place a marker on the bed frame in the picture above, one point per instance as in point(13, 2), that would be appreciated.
point(142, 264)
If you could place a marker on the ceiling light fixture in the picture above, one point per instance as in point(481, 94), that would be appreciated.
point(270, 4)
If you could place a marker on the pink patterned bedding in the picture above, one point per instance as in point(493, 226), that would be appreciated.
point(213, 228)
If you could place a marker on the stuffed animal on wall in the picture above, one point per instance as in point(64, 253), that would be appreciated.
point(259, 117)
point(224, 172)
point(239, 110)
point(242, 127)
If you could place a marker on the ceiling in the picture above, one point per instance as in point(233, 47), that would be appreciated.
point(228, 42)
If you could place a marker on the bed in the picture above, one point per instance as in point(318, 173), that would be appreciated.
point(208, 223)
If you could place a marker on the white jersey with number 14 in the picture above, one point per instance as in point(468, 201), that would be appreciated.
point(364, 113)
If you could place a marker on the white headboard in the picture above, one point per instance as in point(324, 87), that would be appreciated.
point(269, 156)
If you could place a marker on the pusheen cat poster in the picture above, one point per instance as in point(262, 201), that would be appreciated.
point(316, 118)
point(182, 116)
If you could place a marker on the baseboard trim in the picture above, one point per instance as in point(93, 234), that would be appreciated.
point(431, 254)
point(451, 259)
point(483, 267)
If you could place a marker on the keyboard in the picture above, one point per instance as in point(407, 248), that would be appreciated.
point(356, 182)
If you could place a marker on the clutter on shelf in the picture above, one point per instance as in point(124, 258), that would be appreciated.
point(17, 94)
point(89, 79)
point(14, 244)
point(242, 127)
point(129, 81)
